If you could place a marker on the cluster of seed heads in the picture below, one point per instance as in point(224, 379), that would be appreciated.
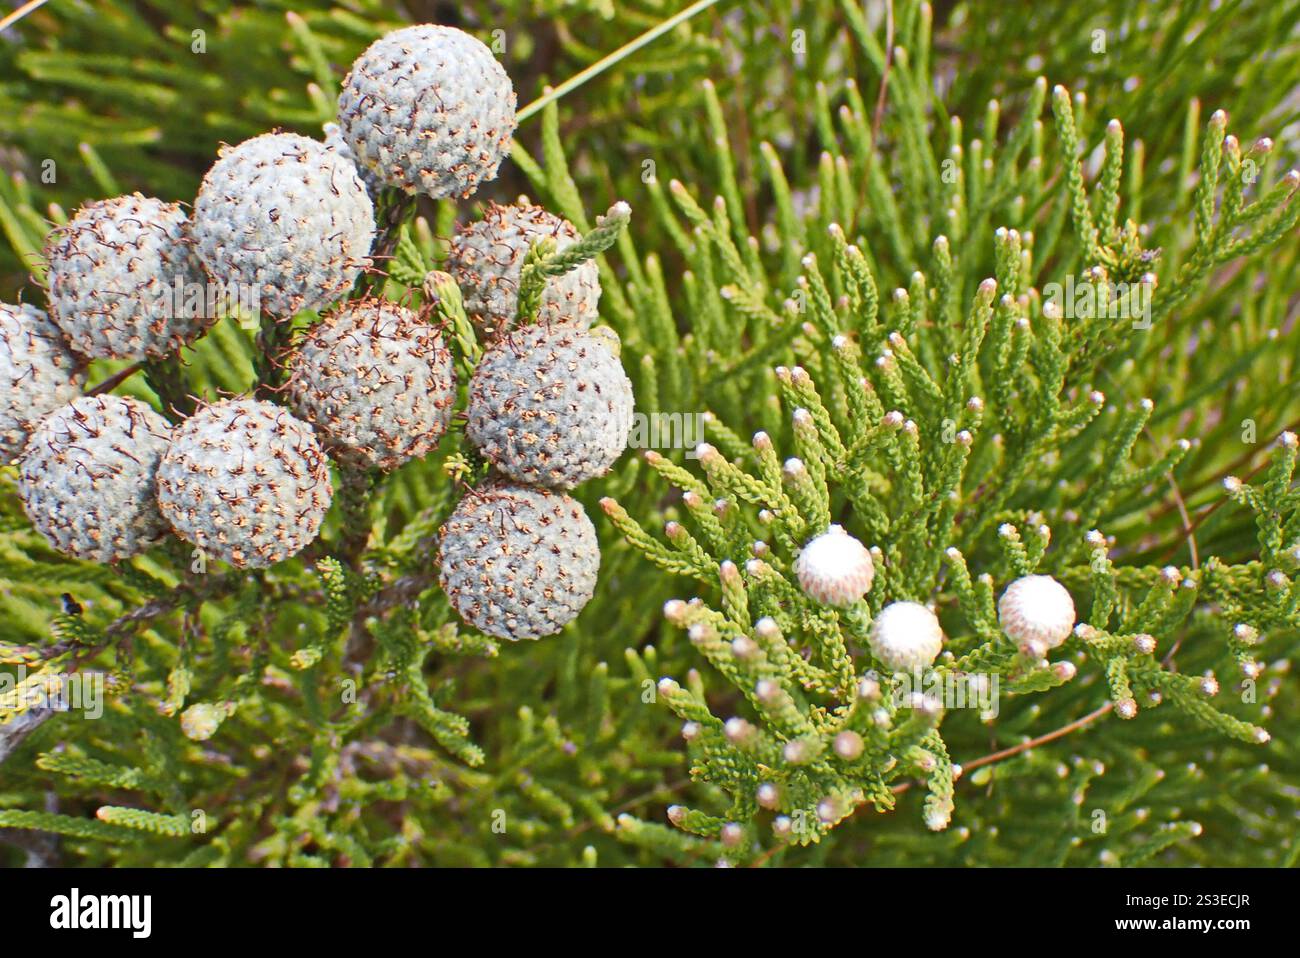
point(287, 224)
point(549, 408)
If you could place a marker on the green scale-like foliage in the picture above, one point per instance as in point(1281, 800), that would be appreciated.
point(858, 276)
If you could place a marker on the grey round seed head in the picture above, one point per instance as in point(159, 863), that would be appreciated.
point(87, 478)
point(245, 481)
point(38, 374)
point(285, 220)
point(429, 109)
point(488, 255)
point(550, 406)
point(124, 280)
point(516, 562)
point(376, 382)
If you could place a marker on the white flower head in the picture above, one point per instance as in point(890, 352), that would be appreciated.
point(906, 636)
point(1037, 608)
point(835, 568)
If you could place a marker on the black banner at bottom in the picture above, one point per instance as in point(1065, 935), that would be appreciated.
point(336, 908)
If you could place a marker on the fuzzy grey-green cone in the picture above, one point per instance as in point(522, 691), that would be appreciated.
point(550, 406)
point(246, 482)
point(487, 257)
point(123, 278)
point(428, 109)
point(517, 562)
point(285, 219)
point(377, 383)
point(87, 478)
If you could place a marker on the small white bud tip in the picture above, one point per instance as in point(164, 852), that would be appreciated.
point(848, 745)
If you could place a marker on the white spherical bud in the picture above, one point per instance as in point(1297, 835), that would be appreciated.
point(1036, 607)
point(700, 632)
point(925, 704)
point(768, 795)
point(835, 568)
point(675, 611)
point(906, 636)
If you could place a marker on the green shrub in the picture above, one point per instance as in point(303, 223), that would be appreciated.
point(804, 237)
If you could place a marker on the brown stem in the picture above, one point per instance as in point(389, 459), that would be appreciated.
point(115, 380)
point(1034, 742)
